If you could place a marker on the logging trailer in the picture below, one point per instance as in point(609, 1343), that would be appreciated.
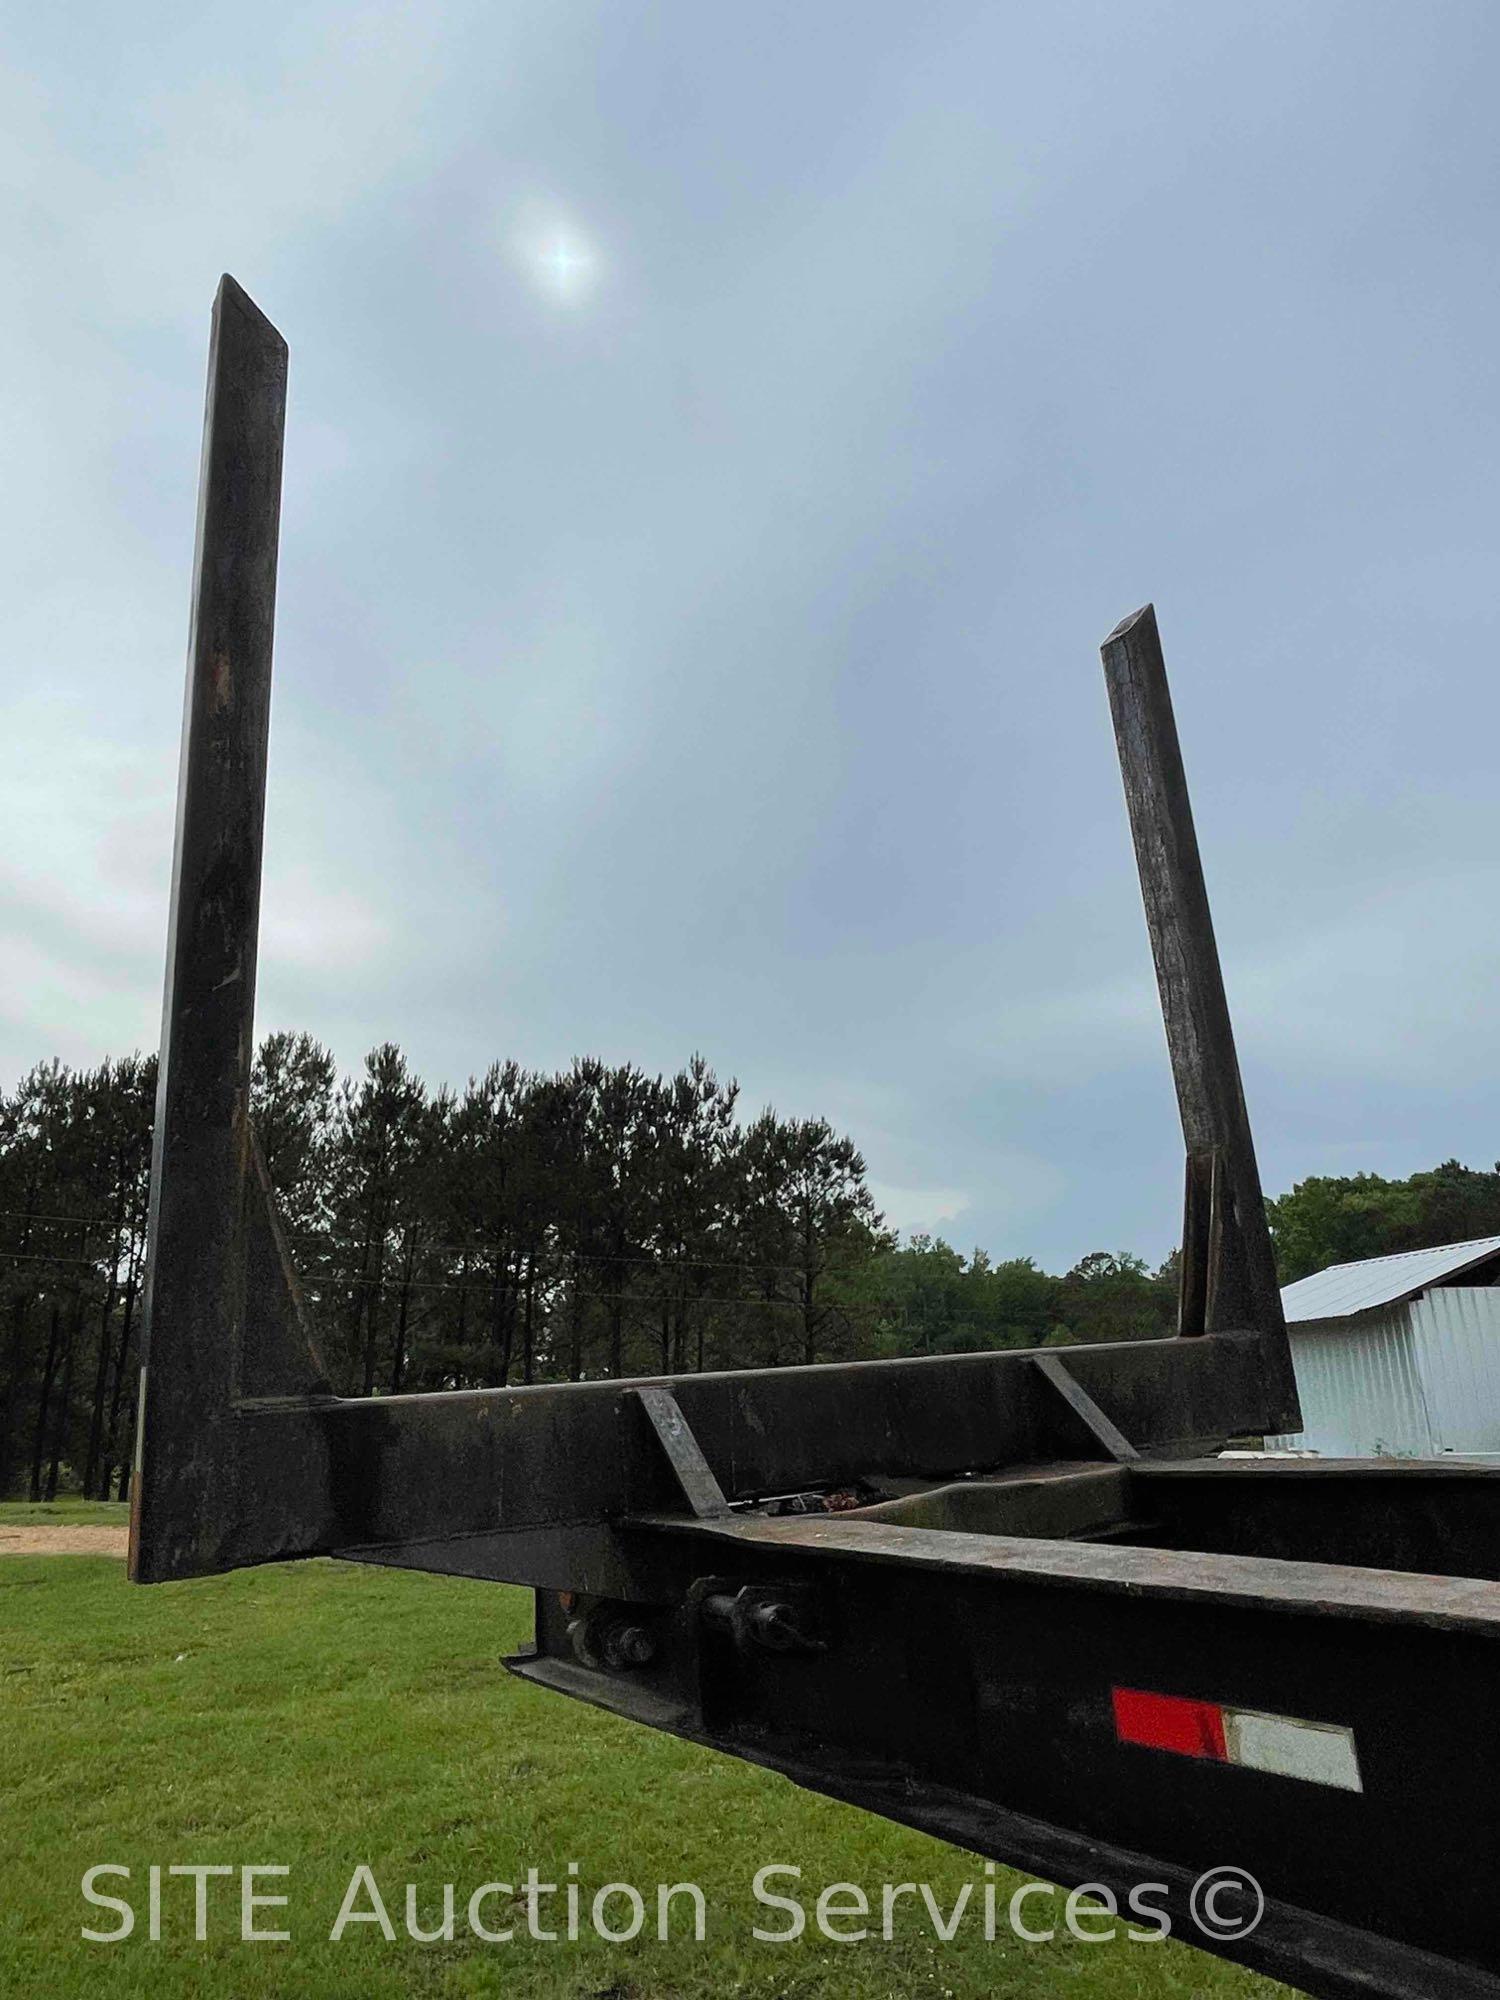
point(1042, 1619)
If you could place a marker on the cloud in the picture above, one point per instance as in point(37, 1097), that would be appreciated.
point(1401, 988)
point(307, 926)
point(917, 1211)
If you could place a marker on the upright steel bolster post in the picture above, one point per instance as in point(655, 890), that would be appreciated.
point(1228, 1266)
point(203, 1170)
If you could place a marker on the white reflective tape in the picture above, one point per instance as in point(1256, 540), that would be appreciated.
point(1321, 1752)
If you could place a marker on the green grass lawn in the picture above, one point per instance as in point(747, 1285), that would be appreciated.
point(323, 1715)
point(65, 1513)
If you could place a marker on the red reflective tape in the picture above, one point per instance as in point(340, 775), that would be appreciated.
point(1169, 1722)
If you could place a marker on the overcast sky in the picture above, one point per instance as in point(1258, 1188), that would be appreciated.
point(719, 437)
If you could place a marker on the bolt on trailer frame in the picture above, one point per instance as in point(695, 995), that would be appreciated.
point(1008, 1597)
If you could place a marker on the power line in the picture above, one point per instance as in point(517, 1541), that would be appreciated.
point(333, 1282)
point(48, 1257)
point(664, 1262)
point(41, 1215)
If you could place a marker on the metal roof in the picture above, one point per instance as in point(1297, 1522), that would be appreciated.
point(1345, 1289)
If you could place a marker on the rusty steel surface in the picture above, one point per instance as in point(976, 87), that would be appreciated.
point(1228, 1265)
point(303, 1475)
point(200, 1165)
point(695, 1475)
point(1240, 1582)
point(1067, 1385)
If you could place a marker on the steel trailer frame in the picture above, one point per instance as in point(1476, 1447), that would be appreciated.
point(1041, 1544)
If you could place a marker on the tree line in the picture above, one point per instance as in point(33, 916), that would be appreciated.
point(594, 1222)
point(1340, 1219)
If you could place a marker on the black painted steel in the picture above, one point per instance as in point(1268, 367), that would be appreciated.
point(695, 1475)
point(1056, 1371)
point(969, 1690)
point(1228, 1265)
point(216, 1270)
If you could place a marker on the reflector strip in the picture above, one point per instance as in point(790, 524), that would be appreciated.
point(1169, 1722)
point(1320, 1753)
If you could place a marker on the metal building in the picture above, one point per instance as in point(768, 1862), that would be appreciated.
point(1399, 1357)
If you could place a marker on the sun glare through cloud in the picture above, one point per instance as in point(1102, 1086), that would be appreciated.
point(558, 258)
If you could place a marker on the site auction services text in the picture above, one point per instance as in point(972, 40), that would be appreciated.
point(257, 1902)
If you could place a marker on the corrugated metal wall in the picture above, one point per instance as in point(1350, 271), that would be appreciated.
point(1455, 1333)
point(1361, 1389)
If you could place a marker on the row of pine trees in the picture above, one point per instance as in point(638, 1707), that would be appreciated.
point(595, 1222)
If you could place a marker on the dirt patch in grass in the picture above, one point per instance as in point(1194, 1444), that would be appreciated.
point(29, 1539)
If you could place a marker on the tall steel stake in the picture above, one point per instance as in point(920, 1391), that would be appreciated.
point(215, 1257)
point(1228, 1279)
